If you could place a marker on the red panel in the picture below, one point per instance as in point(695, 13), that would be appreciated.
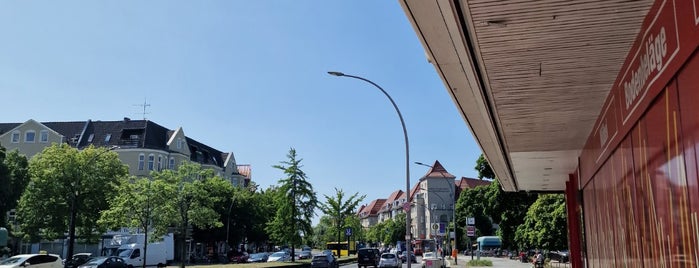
point(627, 195)
point(668, 37)
point(573, 213)
point(688, 91)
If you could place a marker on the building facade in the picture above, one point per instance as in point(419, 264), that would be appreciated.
point(432, 202)
point(142, 145)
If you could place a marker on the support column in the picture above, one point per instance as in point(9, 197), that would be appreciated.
point(573, 213)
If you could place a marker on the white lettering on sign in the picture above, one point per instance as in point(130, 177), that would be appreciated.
point(651, 60)
point(603, 133)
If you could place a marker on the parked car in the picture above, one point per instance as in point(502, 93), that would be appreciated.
point(403, 257)
point(328, 251)
point(368, 257)
point(279, 256)
point(239, 257)
point(431, 260)
point(258, 257)
point(77, 260)
point(560, 256)
point(324, 261)
point(32, 261)
point(306, 254)
point(105, 262)
point(389, 260)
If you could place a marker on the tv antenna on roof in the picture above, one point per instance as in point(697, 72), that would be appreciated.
point(145, 105)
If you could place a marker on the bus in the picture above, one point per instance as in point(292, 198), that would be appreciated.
point(345, 249)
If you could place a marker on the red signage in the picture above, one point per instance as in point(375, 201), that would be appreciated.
point(471, 230)
point(658, 46)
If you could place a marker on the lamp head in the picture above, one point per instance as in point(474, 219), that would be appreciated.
point(336, 73)
point(422, 164)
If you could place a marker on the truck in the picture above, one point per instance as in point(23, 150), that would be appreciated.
point(131, 248)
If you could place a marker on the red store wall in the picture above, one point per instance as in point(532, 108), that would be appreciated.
point(639, 171)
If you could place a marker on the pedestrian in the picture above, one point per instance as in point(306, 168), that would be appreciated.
point(539, 260)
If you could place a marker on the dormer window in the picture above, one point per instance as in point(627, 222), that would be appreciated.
point(15, 136)
point(30, 136)
point(44, 136)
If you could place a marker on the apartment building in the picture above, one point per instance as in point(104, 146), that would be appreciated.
point(432, 202)
point(143, 145)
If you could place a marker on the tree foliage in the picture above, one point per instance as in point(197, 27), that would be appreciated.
point(545, 224)
point(339, 209)
point(139, 203)
point(193, 193)
point(387, 232)
point(296, 202)
point(472, 203)
point(507, 209)
point(483, 168)
point(14, 177)
point(60, 173)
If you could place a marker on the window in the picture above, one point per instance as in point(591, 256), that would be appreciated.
point(172, 163)
point(89, 138)
point(107, 138)
point(44, 136)
point(141, 160)
point(179, 143)
point(151, 159)
point(15, 137)
point(160, 161)
point(29, 136)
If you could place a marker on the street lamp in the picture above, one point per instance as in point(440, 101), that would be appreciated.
point(407, 157)
point(453, 206)
point(74, 193)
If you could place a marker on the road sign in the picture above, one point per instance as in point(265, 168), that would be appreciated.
point(435, 226)
point(348, 231)
point(471, 231)
point(471, 221)
point(406, 206)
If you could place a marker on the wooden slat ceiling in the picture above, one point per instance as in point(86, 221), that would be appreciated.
point(544, 67)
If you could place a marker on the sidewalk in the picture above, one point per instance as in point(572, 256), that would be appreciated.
point(497, 262)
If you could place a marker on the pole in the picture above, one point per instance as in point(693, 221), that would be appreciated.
point(407, 155)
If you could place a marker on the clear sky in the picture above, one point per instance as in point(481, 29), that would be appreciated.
point(247, 77)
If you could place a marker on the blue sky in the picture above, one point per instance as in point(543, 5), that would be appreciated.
point(243, 76)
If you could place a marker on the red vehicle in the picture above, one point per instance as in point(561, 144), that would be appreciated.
point(239, 257)
point(421, 246)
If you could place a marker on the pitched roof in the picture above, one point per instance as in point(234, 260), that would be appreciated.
point(389, 201)
point(466, 182)
point(437, 171)
point(126, 133)
point(245, 170)
point(373, 208)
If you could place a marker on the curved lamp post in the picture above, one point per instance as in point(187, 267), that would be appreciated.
point(74, 194)
point(452, 191)
point(407, 157)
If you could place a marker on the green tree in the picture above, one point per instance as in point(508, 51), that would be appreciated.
point(395, 230)
point(323, 232)
point(139, 203)
point(508, 209)
point(193, 193)
point(63, 178)
point(472, 203)
point(14, 177)
point(484, 169)
point(545, 224)
point(340, 209)
point(376, 233)
point(295, 204)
